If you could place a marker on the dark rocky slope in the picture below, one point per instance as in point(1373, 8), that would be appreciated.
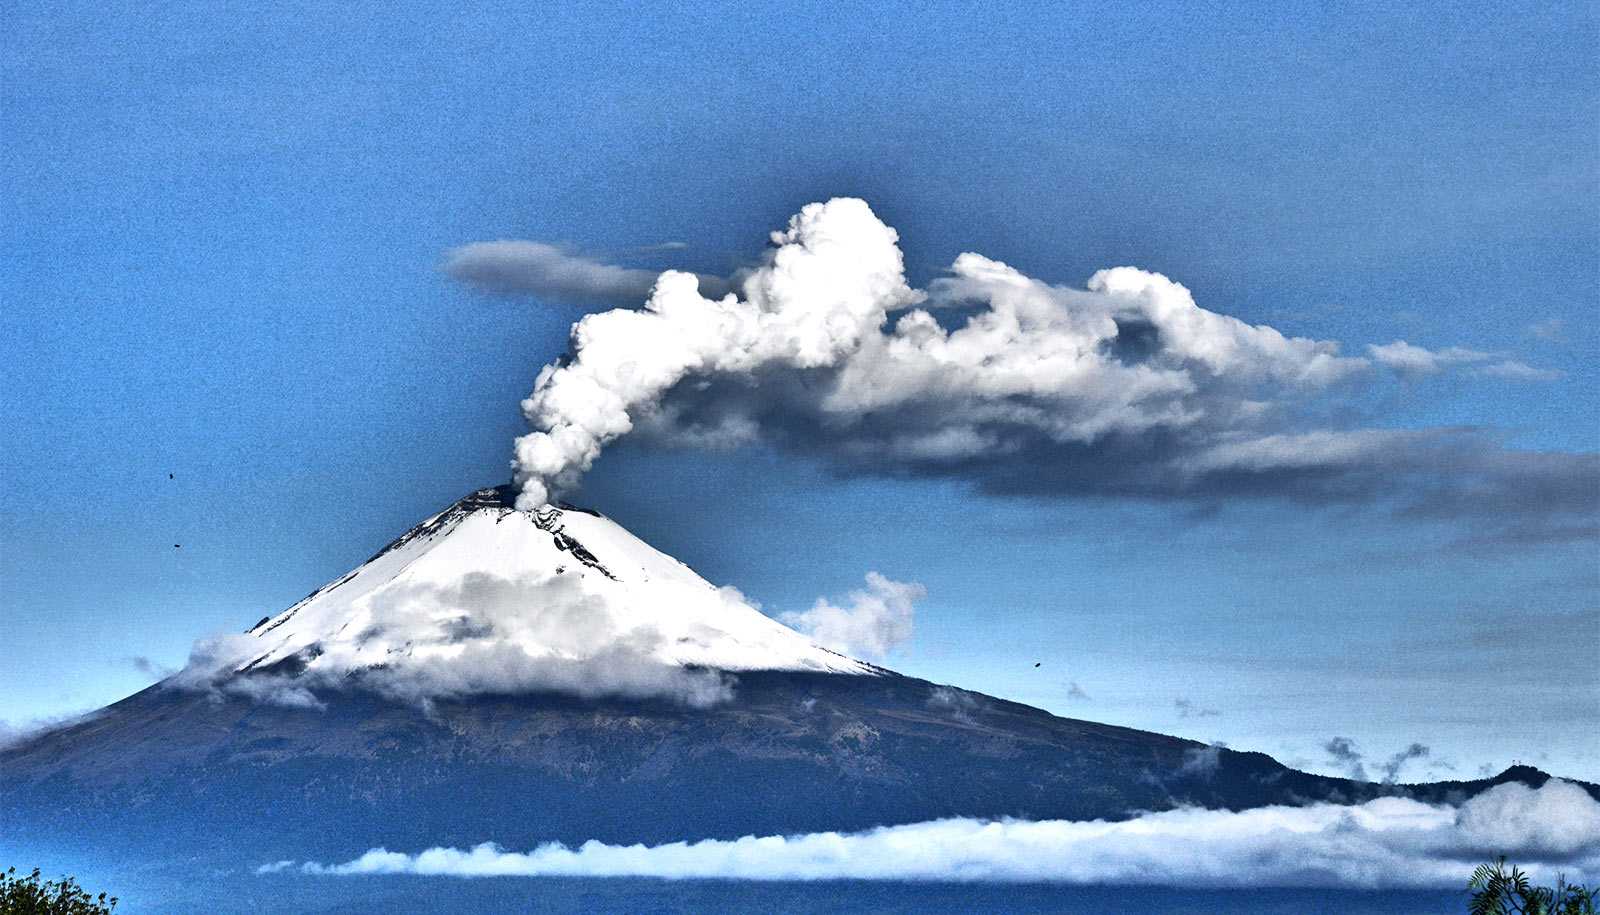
point(179, 773)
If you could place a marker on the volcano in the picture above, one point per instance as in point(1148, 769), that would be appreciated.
point(634, 598)
point(528, 676)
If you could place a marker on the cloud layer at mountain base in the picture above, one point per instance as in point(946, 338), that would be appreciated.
point(1384, 843)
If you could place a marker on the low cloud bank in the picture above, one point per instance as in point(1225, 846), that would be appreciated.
point(1385, 843)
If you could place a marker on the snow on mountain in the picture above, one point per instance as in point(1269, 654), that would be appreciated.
point(484, 598)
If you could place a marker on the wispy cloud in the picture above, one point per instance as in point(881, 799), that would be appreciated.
point(1346, 758)
point(1550, 330)
point(1512, 370)
point(1188, 709)
point(13, 733)
point(1342, 751)
point(557, 273)
point(1390, 842)
point(1415, 361)
point(150, 668)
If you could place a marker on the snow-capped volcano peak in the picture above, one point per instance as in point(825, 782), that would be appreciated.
point(483, 597)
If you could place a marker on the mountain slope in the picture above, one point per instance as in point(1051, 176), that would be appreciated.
point(183, 774)
point(383, 710)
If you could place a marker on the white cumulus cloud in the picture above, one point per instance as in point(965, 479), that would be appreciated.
point(873, 622)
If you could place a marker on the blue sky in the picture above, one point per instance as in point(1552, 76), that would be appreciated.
point(224, 237)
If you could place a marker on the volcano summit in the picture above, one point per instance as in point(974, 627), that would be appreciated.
point(484, 598)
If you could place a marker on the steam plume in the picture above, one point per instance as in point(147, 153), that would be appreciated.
point(833, 276)
point(1124, 388)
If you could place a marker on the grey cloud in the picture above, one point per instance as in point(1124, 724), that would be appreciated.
point(284, 692)
point(1386, 843)
point(511, 268)
point(1391, 768)
point(1343, 752)
point(1074, 691)
point(1432, 474)
point(1188, 709)
point(149, 668)
point(210, 670)
point(1529, 533)
point(1550, 330)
